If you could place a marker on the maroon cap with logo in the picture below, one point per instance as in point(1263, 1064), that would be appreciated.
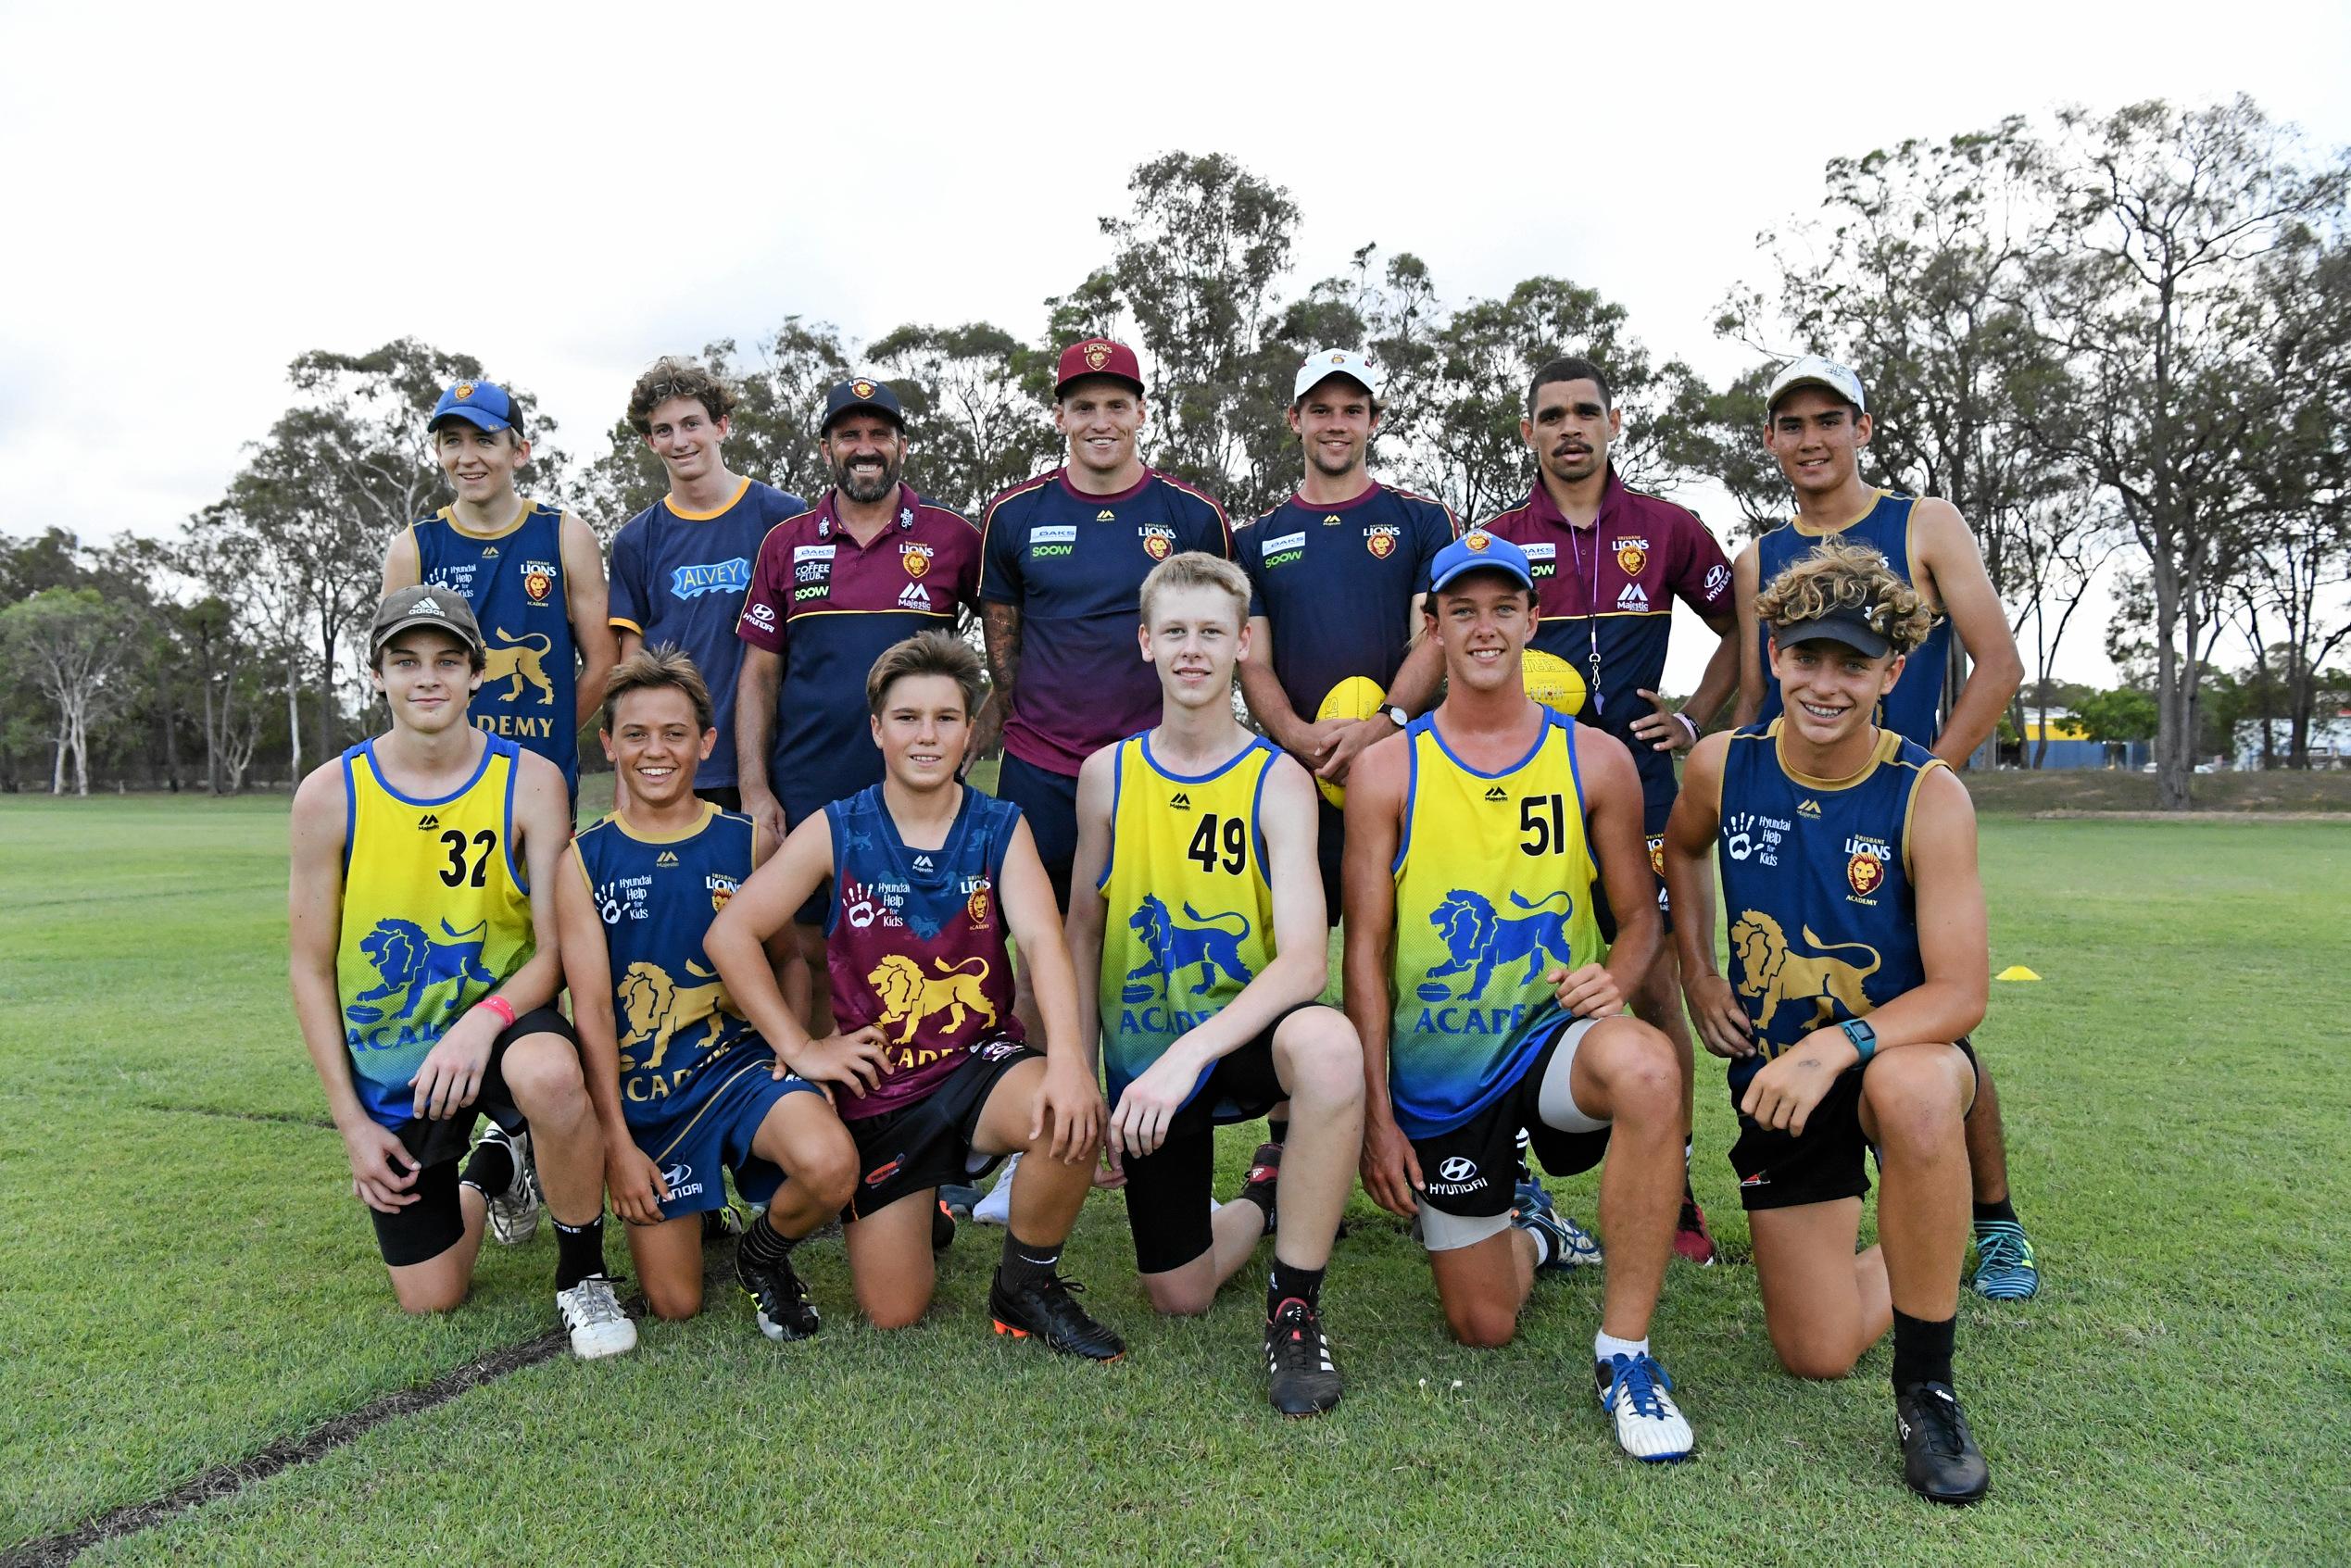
point(1098, 356)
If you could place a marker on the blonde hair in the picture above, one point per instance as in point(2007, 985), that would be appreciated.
point(1838, 576)
point(925, 653)
point(652, 670)
point(1197, 569)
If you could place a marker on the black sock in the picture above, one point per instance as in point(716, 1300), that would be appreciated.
point(579, 1251)
point(1287, 1284)
point(491, 1168)
point(765, 1244)
point(1922, 1350)
point(1277, 1129)
point(1026, 1262)
point(2004, 1209)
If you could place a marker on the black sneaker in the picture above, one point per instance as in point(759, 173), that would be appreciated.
point(1306, 1380)
point(777, 1296)
point(1940, 1459)
point(942, 1228)
point(1264, 1176)
point(1047, 1309)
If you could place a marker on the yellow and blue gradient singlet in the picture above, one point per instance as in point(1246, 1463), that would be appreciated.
point(436, 915)
point(1191, 914)
point(1494, 890)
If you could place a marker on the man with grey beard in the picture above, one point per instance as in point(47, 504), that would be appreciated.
point(869, 566)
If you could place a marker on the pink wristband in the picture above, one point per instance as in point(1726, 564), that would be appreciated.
point(500, 1006)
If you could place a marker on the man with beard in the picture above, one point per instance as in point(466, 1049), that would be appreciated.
point(1608, 562)
point(870, 566)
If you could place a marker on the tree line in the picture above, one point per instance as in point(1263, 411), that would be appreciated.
point(2120, 344)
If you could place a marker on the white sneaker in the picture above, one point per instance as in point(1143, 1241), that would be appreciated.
point(996, 1209)
point(593, 1315)
point(514, 1213)
point(1649, 1424)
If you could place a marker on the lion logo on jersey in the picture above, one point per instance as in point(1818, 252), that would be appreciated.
point(519, 661)
point(1769, 968)
point(1204, 945)
point(405, 958)
point(909, 996)
point(655, 1007)
point(1478, 938)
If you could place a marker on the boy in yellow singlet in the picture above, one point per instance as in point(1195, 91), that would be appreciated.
point(424, 976)
point(1487, 1002)
point(1196, 921)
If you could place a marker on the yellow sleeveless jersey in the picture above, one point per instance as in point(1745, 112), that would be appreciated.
point(1494, 880)
point(436, 914)
point(1191, 915)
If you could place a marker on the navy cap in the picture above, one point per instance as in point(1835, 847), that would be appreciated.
point(1842, 624)
point(1480, 551)
point(862, 392)
point(479, 403)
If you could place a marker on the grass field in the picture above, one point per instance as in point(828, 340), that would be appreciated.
point(184, 1282)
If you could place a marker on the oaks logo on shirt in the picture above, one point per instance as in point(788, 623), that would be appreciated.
point(1542, 559)
point(1284, 550)
point(916, 559)
point(1053, 539)
point(722, 888)
point(1159, 540)
point(1632, 555)
point(539, 580)
point(1380, 538)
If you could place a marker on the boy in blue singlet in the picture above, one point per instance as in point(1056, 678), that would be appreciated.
point(1859, 962)
point(533, 573)
point(683, 1084)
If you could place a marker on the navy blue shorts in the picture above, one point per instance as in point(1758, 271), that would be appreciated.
point(1049, 802)
point(697, 1135)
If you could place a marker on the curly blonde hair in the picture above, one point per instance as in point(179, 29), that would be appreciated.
point(1836, 576)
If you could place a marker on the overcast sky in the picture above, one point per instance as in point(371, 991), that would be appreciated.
point(198, 193)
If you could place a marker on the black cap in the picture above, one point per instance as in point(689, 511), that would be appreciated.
point(860, 392)
point(1850, 627)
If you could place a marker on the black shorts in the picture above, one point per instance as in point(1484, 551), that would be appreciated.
point(1167, 1190)
point(1048, 800)
point(435, 1222)
point(726, 797)
point(929, 1142)
point(1778, 1169)
point(1331, 848)
point(1472, 1170)
point(1654, 810)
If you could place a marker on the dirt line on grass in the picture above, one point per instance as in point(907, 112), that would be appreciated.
point(2072, 815)
point(291, 1118)
point(224, 1480)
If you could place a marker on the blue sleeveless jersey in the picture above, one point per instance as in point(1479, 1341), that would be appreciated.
point(1914, 707)
point(657, 897)
point(514, 582)
point(1815, 880)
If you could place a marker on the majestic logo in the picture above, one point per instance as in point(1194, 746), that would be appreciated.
point(666, 857)
point(1476, 539)
point(916, 559)
point(1106, 515)
point(1380, 539)
point(538, 580)
point(405, 958)
point(722, 888)
point(1459, 1168)
point(711, 577)
point(909, 996)
point(1159, 541)
point(1494, 791)
point(1478, 939)
point(520, 662)
point(655, 1007)
point(913, 596)
point(1097, 354)
point(1808, 807)
point(427, 820)
point(1331, 520)
point(863, 388)
point(1717, 579)
point(462, 391)
point(1770, 971)
point(921, 862)
point(1632, 555)
point(1205, 945)
point(1181, 801)
point(1632, 598)
point(1865, 874)
point(976, 907)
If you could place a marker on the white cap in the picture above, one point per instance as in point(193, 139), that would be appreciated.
point(1813, 370)
point(1324, 363)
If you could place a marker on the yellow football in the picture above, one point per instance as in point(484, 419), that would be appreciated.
point(1553, 682)
point(1358, 696)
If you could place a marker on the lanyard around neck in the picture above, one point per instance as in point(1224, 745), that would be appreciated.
point(1592, 606)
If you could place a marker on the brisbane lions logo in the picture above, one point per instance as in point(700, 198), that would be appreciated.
point(405, 958)
point(656, 1009)
point(520, 662)
point(1204, 945)
point(1478, 939)
point(1098, 355)
point(1865, 873)
point(909, 996)
point(1768, 969)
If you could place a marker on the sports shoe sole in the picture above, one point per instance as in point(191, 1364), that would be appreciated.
point(1002, 1327)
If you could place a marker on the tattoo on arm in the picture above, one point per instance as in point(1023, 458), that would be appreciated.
point(1000, 625)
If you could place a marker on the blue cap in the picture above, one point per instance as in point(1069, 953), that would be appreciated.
point(862, 392)
point(1480, 551)
point(479, 403)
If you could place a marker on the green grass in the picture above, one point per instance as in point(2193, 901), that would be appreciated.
point(181, 1285)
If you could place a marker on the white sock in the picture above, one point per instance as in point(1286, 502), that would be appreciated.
point(1605, 1345)
point(1685, 1156)
point(1542, 1238)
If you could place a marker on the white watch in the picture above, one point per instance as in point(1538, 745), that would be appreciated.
point(1397, 716)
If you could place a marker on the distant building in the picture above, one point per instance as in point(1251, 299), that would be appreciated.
point(2070, 746)
point(2330, 740)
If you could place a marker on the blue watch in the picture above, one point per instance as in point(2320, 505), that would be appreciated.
point(1864, 1038)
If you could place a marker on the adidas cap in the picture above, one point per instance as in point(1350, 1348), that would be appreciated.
point(424, 605)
